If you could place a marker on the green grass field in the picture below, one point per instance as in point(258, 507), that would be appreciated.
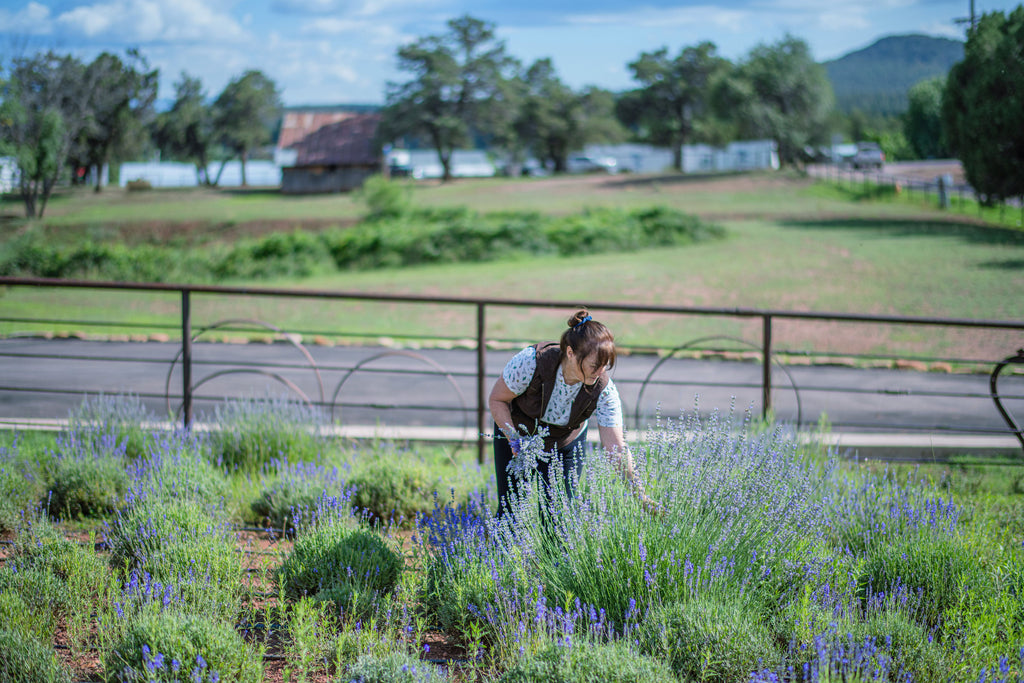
point(793, 245)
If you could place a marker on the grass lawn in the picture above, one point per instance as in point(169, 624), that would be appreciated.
point(792, 245)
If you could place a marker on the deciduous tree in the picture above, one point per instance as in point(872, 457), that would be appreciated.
point(245, 113)
point(922, 123)
point(455, 89)
point(783, 94)
point(120, 106)
point(983, 106)
point(44, 110)
point(186, 130)
point(673, 106)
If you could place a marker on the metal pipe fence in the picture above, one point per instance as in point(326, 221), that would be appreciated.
point(773, 379)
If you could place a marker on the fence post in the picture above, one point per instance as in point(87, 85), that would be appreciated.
point(186, 359)
point(766, 366)
point(481, 401)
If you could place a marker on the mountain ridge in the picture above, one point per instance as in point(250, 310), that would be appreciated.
point(875, 79)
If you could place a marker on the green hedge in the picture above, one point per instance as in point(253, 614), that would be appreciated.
point(410, 238)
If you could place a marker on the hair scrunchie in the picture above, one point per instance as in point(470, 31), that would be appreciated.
point(578, 325)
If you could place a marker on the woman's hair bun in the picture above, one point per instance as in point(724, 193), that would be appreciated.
point(577, 317)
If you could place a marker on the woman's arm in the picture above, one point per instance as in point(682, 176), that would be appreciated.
point(613, 443)
point(501, 410)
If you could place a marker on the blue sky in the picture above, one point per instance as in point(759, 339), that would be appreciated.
point(343, 51)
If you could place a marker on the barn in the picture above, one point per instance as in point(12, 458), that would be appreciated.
point(323, 152)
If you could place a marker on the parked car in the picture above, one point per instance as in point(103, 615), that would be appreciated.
point(581, 163)
point(868, 156)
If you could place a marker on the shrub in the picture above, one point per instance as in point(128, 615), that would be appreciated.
point(934, 569)
point(89, 486)
point(32, 601)
point(175, 469)
point(296, 487)
point(393, 489)
point(26, 660)
point(340, 564)
point(907, 645)
point(385, 199)
point(587, 663)
point(186, 548)
point(176, 647)
point(707, 639)
point(396, 667)
point(122, 418)
point(20, 482)
point(253, 432)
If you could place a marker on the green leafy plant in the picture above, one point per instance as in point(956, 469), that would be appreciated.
point(395, 667)
point(708, 639)
point(587, 663)
point(89, 486)
point(176, 647)
point(26, 660)
point(348, 566)
point(253, 432)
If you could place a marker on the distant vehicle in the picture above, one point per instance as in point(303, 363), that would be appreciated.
point(868, 156)
point(580, 163)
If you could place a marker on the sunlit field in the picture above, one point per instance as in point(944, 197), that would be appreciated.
point(262, 550)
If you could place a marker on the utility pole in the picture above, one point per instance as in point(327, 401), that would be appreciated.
point(968, 20)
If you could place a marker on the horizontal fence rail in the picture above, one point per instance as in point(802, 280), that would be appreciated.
point(460, 393)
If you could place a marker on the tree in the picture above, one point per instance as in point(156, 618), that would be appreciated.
point(44, 110)
point(550, 116)
point(983, 106)
point(783, 94)
point(121, 97)
point(186, 131)
point(245, 113)
point(457, 89)
point(674, 105)
point(922, 123)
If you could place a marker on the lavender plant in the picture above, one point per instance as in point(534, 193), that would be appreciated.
point(89, 478)
point(252, 432)
point(186, 548)
point(122, 418)
point(174, 468)
point(295, 487)
point(336, 562)
point(176, 647)
point(570, 660)
point(21, 483)
point(395, 667)
point(26, 660)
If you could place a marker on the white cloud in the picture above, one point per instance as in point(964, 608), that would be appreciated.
point(145, 21)
point(32, 19)
point(699, 16)
point(943, 28)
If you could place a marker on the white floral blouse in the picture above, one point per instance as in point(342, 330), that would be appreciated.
point(519, 371)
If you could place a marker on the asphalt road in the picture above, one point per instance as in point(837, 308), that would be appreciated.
point(371, 385)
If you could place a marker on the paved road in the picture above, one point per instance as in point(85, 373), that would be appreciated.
point(43, 378)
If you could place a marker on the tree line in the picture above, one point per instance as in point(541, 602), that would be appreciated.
point(60, 116)
point(465, 89)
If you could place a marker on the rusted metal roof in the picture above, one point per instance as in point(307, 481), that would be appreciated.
point(346, 140)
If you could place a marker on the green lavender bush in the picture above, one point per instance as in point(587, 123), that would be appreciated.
point(178, 647)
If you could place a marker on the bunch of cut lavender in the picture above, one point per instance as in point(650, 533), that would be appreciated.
point(527, 451)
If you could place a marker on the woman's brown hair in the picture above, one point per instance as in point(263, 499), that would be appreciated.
point(587, 338)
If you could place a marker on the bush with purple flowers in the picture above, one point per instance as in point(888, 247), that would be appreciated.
point(175, 647)
point(395, 667)
point(250, 433)
point(570, 661)
point(88, 477)
point(348, 566)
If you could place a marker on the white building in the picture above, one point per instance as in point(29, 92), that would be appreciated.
point(743, 155)
point(424, 163)
point(8, 174)
point(177, 174)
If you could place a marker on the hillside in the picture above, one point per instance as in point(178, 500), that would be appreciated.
point(876, 78)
